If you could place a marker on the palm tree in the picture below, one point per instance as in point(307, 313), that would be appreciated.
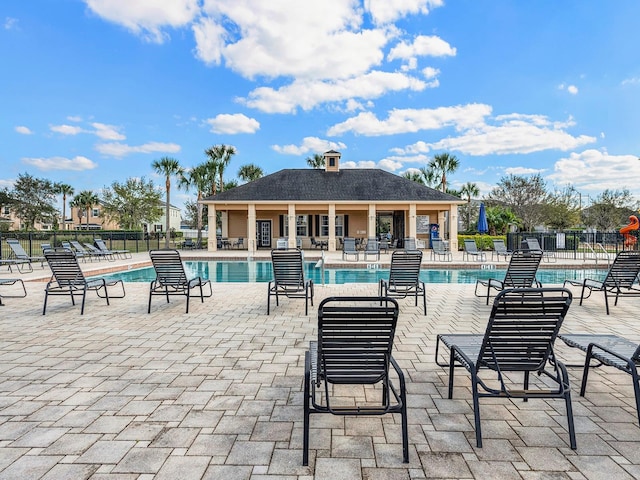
point(413, 176)
point(250, 172)
point(86, 200)
point(441, 165)
point(469, 190)
point(65, 190)
point(197, 177)
point(77, 203)
point(168, 167)
point(428, 177)
point(316, 161)
point(221, 154)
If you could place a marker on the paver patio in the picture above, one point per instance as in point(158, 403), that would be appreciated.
point(217, 394)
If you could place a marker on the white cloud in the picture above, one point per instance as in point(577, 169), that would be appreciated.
point(421, 46)
point(107, 132)
point(572, 89)
point(358, 164)
point(117, 149)
point(23, 130)
point(522, 171)
point(430, 72)
point(77, 164)
point(146, 17)
point(11, 23)
point(385, 11)
point(413, 120)
point(631, 81)
point(66, 129)
point(309, 145)
point(74, 118)
point(233, 123)
point(309, 94)
point(596, 170)
point(510, 134)
point(210, 40)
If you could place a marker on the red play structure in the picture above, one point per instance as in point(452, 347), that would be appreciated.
point(634, 224)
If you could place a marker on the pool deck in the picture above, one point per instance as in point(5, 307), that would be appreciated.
point(217, 393)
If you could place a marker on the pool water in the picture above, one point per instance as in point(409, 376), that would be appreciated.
point(245, 272)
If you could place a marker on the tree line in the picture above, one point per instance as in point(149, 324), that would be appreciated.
point(524, 201)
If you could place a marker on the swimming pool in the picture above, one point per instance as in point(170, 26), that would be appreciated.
point(237, 271)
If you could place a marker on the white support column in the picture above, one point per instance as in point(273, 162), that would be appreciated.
point(371, 224)
point(453, 228)
point(212, 244)
point(413, 221)
point(251, 229)
point(332, 228)
point(224, 220)
point(291, 241)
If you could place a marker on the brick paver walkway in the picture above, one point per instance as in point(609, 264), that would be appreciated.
point(217, 394)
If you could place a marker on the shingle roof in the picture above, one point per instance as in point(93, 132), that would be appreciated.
point(357, 184)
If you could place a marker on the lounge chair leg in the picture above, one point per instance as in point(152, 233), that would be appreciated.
point(567, 400)
point(636, 388)
point(476, 409)
point(307, 381)
point(585, 372)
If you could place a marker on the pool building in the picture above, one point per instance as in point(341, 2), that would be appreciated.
point(307, 206)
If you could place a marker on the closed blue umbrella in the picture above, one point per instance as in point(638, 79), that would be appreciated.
point(483, 225)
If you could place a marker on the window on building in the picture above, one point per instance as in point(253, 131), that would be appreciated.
point(332, 162)
point(302, 225)
point(95, 212)
point(6, 211)
point(324, 226)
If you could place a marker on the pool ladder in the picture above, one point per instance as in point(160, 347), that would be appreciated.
point(320, 265)
point(589, 253)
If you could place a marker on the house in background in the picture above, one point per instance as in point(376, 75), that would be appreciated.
point(98, 222)
point(330, 204)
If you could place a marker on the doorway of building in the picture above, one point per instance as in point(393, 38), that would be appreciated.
point(263, 233)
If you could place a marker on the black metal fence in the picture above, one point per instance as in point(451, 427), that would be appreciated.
point(134, 241)
point(574, 244)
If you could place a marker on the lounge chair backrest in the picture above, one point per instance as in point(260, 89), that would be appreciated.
point(78, 246)
point(624, 270)
point(168, 266)
point(410, 244)
point(373, 245)
point(522, 328)
point(349, 244)
point(355, 338)
point(438, 245)
point(288, 268)
point(470, 246)
point(499, 246)
point(17, 249)
point(101, 245)
point(64, 266)
point(533, 244)
point(405, 268)
point(522, 269)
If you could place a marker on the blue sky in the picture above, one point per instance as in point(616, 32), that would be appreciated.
point(93, 91)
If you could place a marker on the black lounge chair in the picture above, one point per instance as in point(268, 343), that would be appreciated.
point(519, 338)
point(548, 255)
point(500, 250)
point(372, 248)
point(98, 253)
point(288, 278)
point(68, 279)
point(171, 279)
point(609, 350)
point(471, 251)
point(620, 279)
point(521, 273)
point(99, 243)
point(82, 252)
point(404, 277)
point(439, 250)
point(355, 341)
point(12, 281)
point(21, 257)
point(409, 244)
point(350, 248)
